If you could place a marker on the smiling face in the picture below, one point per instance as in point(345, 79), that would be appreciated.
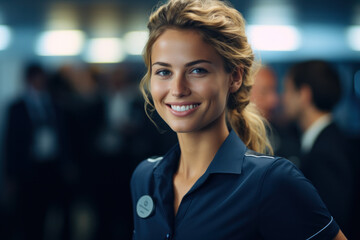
point(188, 84)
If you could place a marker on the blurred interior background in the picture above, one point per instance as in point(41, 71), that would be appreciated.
point(90, 55)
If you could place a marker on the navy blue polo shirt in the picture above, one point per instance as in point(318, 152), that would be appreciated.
point(242, 195)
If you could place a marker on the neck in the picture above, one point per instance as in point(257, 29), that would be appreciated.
point(199, 148)
point(309, 117)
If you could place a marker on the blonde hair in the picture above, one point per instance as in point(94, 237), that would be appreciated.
point(223, 27)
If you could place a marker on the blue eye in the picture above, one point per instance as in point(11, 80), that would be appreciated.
point(199, 71)
point(163, 73)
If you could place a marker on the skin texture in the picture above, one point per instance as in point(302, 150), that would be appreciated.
point(188, 71)
point(177, 78)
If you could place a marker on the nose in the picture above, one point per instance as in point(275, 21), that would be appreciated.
point(179, 86)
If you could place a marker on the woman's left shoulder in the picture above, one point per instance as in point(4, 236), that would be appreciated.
point(268, 163)
point(289, 205)
point(275, 170)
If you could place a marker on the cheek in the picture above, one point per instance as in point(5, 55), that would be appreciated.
point(290, 102)
point(212, 94)
point(212, 91)
point(285, 100)
point(287, 96)
point(157, 90)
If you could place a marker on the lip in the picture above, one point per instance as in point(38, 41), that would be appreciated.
point(182, 113)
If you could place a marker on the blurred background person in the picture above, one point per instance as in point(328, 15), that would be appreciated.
point(265, 96)
point(91, 173)
point(33, 155)
point(282, 134)
point(312, 89)
point(264, 92)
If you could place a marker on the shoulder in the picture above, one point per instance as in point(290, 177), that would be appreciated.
point(332, 134)
point(17, 104)
point(273, 170)
point(289, 205)
point(142, 178)
point(332, 128)
point(146, 167)
point(143, 172)
point(266, 164)
point(321, 153)
point(260, 159)
point(17, 112)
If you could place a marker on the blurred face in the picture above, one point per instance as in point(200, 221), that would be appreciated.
point(188, 84)
point(291, 100)
point(264, 93)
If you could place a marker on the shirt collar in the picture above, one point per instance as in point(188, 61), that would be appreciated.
point(311, 134)
point(230, 156)
point(228, 159)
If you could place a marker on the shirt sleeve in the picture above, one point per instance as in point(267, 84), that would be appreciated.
point(290, 206)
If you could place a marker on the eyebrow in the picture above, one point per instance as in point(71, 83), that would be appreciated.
point(186, 65)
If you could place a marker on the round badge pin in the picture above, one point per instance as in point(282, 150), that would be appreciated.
point(145, 206)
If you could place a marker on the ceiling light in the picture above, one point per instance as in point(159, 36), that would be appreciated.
point(353, 36)
point(5, 37)
point(105, 50)
point(135, 42)
point(273, 37)
point(60, 43)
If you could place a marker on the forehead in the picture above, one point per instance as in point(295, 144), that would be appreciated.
point(177, 45)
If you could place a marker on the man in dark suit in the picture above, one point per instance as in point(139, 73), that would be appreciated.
point(32, 155)
point(312, 89)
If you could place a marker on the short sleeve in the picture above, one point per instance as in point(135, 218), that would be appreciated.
point(290, 206)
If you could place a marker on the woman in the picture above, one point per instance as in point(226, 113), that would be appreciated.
point(214, 184)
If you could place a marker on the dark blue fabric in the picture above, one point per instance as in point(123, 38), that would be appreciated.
point(242, 195)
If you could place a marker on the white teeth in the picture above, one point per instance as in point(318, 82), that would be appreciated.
point(183, 107)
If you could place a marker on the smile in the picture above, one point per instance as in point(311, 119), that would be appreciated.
point(183, 108)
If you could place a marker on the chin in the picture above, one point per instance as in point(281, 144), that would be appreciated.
point(182, 128)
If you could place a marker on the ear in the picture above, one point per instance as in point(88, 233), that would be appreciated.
point(236, 80)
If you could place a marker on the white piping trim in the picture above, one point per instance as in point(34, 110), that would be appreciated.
point(321, 229)
point(250, 155)
point(152, 160)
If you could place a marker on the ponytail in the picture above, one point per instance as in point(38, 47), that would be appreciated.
point(246, 120)
point(250, 127)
